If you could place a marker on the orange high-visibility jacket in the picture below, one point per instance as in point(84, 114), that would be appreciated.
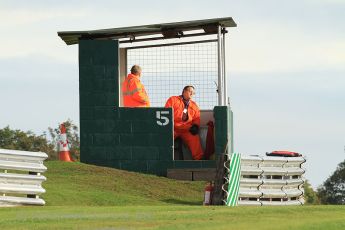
point(134, 94)
point(176, 102)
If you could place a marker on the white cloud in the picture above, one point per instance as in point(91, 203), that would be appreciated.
point(28, 32)
point(20, 17)
point(280, 48)
point(324, 2)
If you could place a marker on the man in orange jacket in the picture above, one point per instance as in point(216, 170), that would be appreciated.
point(187, 120)
point(133, 91)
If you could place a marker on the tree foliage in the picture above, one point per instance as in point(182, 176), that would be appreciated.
point(333, 189)
point(27, 141)
point(309, 194)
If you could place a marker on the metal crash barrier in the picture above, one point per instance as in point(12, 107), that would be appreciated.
point(17, 187)
point(264, 180)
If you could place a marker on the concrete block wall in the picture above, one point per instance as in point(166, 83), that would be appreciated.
point(223, 129)
point(129, 139)
point(126, 138)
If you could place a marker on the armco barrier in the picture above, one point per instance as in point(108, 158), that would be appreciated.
point(266, 180)
point(16, 187)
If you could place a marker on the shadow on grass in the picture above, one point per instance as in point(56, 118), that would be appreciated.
point(183, 202)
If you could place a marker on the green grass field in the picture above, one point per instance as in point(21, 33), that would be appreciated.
point(87, 197)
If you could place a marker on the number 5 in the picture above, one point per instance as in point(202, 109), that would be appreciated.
point(160, 116)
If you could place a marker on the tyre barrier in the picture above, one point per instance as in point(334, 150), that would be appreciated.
point(263, 180)
point(17, 187)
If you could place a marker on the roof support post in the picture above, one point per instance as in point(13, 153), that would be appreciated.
point(224, 73)
point(220, 68)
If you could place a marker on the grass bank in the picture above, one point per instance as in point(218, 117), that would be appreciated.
point(86, 185)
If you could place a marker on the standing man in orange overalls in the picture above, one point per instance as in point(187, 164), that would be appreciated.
point(133, 91)
point(187, 120)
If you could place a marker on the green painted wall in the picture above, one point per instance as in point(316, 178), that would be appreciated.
point(231, 129)
point(223, 117)
point(127, 138)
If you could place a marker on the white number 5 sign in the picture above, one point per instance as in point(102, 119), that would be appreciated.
point(161, 119)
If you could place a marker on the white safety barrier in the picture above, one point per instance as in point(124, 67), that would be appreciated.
point(17, 187)
point(271, 180)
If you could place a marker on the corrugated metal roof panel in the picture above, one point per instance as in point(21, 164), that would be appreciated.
point(72, 37)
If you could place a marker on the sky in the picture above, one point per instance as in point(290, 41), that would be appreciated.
point(285, 68)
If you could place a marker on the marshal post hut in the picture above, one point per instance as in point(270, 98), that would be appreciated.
point(171, 56)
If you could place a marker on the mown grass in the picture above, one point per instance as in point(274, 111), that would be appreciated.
point(81, 196)
point(173, 217)
point(87, 185)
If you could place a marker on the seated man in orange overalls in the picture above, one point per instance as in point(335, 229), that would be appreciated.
point(187, 120)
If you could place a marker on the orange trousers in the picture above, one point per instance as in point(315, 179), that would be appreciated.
point(192, 141)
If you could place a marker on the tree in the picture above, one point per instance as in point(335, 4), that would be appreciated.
point(72, 136)
point(333, 189)
point(27, 141)
point(309, 194)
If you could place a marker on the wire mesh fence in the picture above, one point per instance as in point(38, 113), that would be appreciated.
point(167, 69)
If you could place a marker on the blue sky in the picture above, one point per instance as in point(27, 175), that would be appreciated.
point(285, 62)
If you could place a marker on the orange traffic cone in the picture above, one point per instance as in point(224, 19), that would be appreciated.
point(64, 154)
